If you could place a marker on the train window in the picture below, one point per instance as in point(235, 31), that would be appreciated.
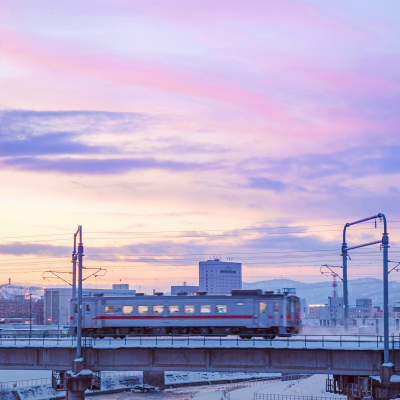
point(87, 307)
point(173, 309)
point(240, 304)
point(205, 309)
point(127, 309)
point(158, 309)
point(143, 309)
point(75, 308)
point(189, 309)
point(263, 307)
point(109, 309)
point(221, 308)
point(276, 306)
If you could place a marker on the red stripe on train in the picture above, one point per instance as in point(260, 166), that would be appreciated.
point(177, 317)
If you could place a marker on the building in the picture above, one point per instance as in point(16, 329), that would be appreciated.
point(330, 314)
point(219, 277)
point(314, 310)
point(56, 301)
point(190, 290)
point(363, 309)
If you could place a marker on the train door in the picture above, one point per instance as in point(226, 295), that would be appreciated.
point(262, 314)
point(87, 314)
point(276, 312)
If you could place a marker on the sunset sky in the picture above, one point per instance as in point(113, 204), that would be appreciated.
point(178, 130)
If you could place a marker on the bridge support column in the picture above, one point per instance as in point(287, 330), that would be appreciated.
point(384, 387)
point(78, 380)
point(154, 378)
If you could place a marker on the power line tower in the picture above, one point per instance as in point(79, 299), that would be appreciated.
point(334, 285)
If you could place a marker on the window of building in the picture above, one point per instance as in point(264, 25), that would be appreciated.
point(263, 307)
point(189, 309)
point(143, 309)
point(158, 309)
point(221, 308)
point(127, 309)
point(173, 309)
point(205, 309)
point(109, 309)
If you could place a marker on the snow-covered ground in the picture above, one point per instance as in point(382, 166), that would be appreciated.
point(174, 378)
point(312, 386)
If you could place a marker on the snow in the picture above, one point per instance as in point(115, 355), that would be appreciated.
point(84, 372)
point(39, 393)
point(388, 364)
point(174, 378)
point(312, 386)
point(215, 395)
point(395, 378)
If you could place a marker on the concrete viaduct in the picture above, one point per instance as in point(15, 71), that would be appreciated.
point(142, 358)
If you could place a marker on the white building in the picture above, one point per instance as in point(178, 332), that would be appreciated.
point(219, 277)
point(56, 301)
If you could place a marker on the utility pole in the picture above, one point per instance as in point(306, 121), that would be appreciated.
point(30, 314)
point(79, 324)
point(385, 247)
point(74, 267)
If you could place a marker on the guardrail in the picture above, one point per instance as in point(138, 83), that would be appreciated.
point(241, 385)
point(267, 340)
point(25, 383)
point(268, 396)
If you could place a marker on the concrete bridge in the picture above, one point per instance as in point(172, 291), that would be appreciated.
point(292, 357)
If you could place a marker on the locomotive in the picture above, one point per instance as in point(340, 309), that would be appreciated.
point(246, 313)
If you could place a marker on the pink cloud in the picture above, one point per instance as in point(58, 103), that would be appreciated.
point(133, 72)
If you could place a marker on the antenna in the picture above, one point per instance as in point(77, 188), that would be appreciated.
point(334, 285)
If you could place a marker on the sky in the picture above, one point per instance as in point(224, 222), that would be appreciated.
point(174, 131)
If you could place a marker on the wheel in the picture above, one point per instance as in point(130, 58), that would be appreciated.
point(269, 337)
point(245, 336)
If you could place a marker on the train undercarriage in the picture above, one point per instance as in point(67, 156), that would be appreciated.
point(243, 332)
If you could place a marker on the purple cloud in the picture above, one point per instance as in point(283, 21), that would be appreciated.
point(103, 166)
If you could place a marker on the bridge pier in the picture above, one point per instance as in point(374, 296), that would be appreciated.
point(385, 386)
point(78, 380)
point(154, 378)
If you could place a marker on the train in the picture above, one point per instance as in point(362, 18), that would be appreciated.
point(247, 313)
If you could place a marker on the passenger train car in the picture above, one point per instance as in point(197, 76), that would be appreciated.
point(247, 313)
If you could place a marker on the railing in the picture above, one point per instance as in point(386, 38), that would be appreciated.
point(268, 396)
point(240, 385)
point(298, 341)
point(25, 383)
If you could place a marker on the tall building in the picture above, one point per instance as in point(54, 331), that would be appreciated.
point(219, 277)
point(56, 301)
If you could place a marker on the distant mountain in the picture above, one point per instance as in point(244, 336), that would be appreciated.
point(318, 293)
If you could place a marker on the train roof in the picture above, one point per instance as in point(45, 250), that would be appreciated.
point(237, 293)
